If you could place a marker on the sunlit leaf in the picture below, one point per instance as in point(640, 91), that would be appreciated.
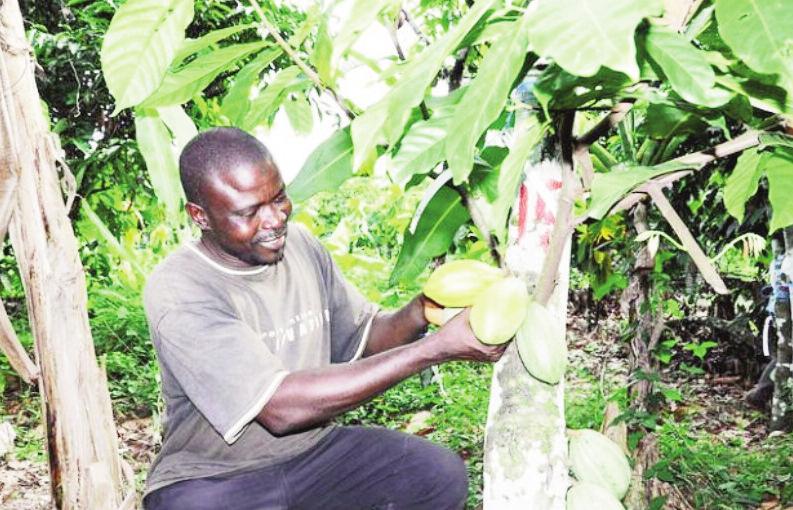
point(761, 34)
point(237, 101)
point(685, 66)
point(583, 35)
point(269, 100)
point(485, 98)
point(300, 115)
point(140, 44)
point(779, 170)
point(154, 143)
point(741, 185)
point(191, 46)
point(180, 86)
point(326, 168)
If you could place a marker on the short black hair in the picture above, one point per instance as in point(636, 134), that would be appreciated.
point(217, 149)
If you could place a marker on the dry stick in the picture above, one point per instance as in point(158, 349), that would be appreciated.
point(307, 70)
point(14, 351)
point(689, 243)
point(562, 227)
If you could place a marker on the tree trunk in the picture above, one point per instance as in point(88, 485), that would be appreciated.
point(525, 441)
point(782, 403)
point(85, 465)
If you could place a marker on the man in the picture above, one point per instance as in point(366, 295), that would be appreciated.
point(261, 343)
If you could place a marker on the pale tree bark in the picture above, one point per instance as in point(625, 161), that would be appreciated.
point(525, 440)
point(782, 403)
point(85, 466)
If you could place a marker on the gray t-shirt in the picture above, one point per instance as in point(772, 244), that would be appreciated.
point(226, 339)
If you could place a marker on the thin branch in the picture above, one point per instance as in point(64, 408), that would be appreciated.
point(307, 70)
point(425, 113)
point(415, 27)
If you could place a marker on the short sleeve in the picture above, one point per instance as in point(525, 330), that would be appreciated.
point(221, 364)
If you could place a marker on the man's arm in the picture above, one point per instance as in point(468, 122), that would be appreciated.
point(310, 397)
point(393, 329)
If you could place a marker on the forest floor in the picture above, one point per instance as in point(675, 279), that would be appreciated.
point(710, 404)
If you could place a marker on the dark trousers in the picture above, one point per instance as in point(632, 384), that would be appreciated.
point(351, 468)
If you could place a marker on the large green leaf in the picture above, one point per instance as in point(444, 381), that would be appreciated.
point(741, 185)
point(180, 125)
point(140, 44)
point(190, 46)
point(180, 86)
point(761, 34)
point(326, 168)
point(298, 111)
point(237, 101)
point(421, 149)
point(583, 35)
point(779, 170)
point(556, 88)
point(688, 71)
point(434, 234)
point(664, 120)
point(611, 187)
point(154, 143)
point(361, 16)
point(269, 100)
point(385, 120)
point(485, 98)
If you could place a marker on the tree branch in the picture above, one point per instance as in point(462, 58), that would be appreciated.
point(307, 70)
point(617, 113)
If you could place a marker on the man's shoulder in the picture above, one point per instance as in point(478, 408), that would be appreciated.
point(173, 273)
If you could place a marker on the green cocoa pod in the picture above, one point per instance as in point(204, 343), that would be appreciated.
point(499, 311)
point(597, 459)
point(589, 496)
point(542, 344)
point(458, 283)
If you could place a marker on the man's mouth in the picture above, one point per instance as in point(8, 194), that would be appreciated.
point(272, 240)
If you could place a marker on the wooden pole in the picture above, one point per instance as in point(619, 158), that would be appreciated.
point(85, 466)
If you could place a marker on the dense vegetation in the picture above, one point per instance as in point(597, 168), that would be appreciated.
point(714, 448)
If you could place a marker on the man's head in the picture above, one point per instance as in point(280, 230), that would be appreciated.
point(235, 194)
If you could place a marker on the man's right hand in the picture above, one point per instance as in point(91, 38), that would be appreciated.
point(456, 341)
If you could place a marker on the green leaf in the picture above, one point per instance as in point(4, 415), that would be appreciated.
point(322, 55)
point(664, 121)
point(528, 133)
point(179, 124)
point(362, 15)
point(143, 37)
point(610, 188)
point(760, 33)
point(154, 143)
point(421, 149)
point(779, 170)
point(434, 234)
point(741, 185)
point(180, 86)
point(385, 120)
point(298, 110)
point(236, 103)
point(686, 67)
point(326, 168)
point(583, 35)
point(556, 88)
point(190, 46)
point(269, 100)
point(485, 98)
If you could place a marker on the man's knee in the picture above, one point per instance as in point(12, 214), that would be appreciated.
point(440, 475)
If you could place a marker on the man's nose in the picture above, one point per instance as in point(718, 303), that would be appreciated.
point(271, 216)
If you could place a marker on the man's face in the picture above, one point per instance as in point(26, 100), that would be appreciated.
point(246, 209)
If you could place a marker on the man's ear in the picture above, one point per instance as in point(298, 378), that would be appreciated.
point(198, 215)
